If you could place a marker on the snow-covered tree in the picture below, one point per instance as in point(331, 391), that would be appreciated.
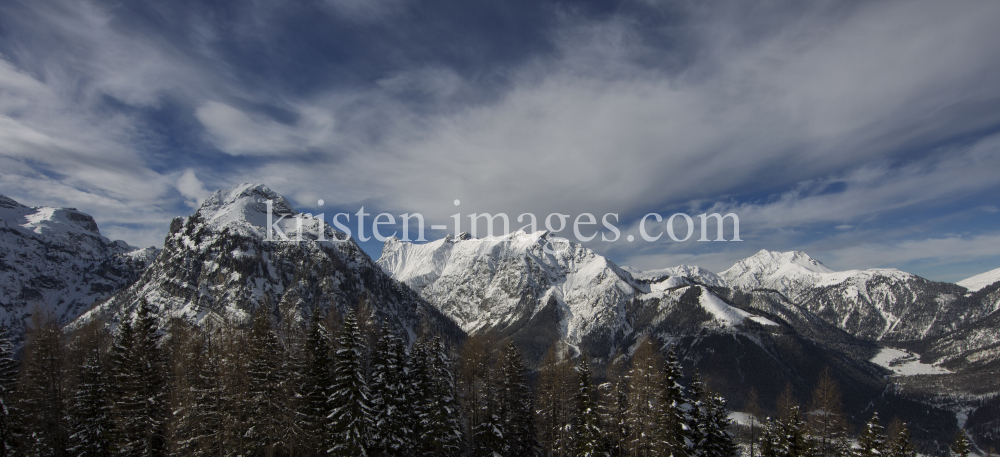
point(92, 427)
point(672, 432)
point(392, 434)
point(266, 379)
point(588, 440)
point(961, 447)
point(516, 406)
point(871, 441)
point(645, 379)
point(351, 414)
point(317, 388)
point(901, 444)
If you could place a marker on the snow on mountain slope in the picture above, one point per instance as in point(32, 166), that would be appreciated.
point(218, 264)
point(512, 286)
point(981, 280)
point(497, 282)
point(873, 304)
point(790, 273)
point(695, 273)
point(57, 259)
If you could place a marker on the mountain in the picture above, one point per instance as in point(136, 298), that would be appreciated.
point(790, 273)
point(736, 339)
point(981, 280)
point(695, 274)
point(522, 286)
point(219, 265)
point(879, 304)
point(56, 261)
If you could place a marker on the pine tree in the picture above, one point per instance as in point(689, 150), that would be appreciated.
point(92, 427)
point(671, 421)
point(871, 441)
point(697, 419)
point(441, 424)
point(392, 433)
point(587, 437)
point(266, 379)
point(786, 436)
point(317, 388)
point(961, 447)
point(8, 382)
point(901, 445)
point(351, 417)
point(516, 408)
point(718, 440)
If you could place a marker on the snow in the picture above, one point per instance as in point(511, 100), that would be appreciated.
point(904, 363)
point(696, 273)
point(981, 280)
point(721, 311)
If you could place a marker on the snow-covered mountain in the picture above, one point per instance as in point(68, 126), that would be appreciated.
point(874, 304)
point(981, 280)
point(219, 265)
point(790, 273)
point(692, 272)
point(513, 286)
point(55, 260)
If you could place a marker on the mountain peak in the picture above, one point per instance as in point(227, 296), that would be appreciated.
point(777, 260)
point(242, 205)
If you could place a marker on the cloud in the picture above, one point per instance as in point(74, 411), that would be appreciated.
point(237, 133)
point(192, 188)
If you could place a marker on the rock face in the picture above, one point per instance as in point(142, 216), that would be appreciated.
point(220, 264)
point(879, 304)
point(538, 290)
point(55, 260)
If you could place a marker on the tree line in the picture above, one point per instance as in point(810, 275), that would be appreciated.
point(343, 385)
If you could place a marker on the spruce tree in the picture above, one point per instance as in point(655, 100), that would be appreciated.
point(92, 427)
point(8, 382)
point(392, 433)
point(266, 377)
point(718, 440)
point(351, 416)
point(442, 426)
point(317, 388)
point(697, 419)
point(961, 447)
point(516, 406)
point(901, 445)
point(871, 441)
point(671, 422)
point(587, 437)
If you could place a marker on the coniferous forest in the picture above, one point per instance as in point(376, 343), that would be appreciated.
point(344, 385)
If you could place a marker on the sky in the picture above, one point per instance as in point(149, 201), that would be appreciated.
point(866, 134)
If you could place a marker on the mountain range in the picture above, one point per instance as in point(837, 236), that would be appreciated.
point(771, 320)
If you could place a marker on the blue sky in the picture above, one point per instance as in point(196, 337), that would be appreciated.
point(866, 134)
